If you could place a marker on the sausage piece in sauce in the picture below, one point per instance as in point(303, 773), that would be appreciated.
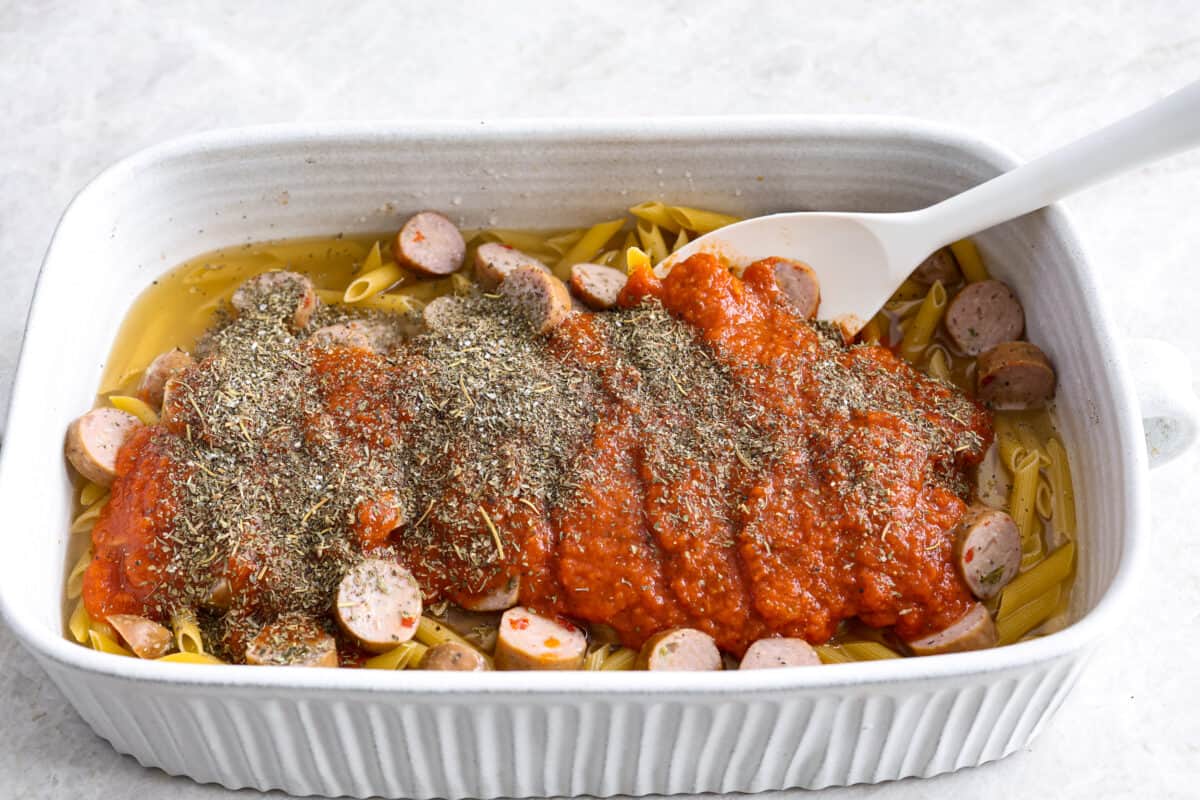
point(293, 642)
point(493, 262)
point(94, 440)
point(268, 292)
point(596, 285)
point(539, 297)
point(680, 649)
point(775, 653)
point(145, 637)
point(987, 550)
point(528, 640)
point(974, 630)
point(799, 285)
point(454, 657)
point(1015, 376)
point(378, 604)
point(163, 368)
point(983, 315)
point(430, 244)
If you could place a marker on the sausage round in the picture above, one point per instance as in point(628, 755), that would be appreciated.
point(430, 244)
point(538, 297)
point(493, 262)
point(443, 313)
point(501, 598)
point(288, 295)
point(454, 657)
point(1015, 376)
point(974, 630)
point(145, 637)
point(680, 649)
point(983, 315)
point(799, 285)
point(987, 550)
point(940, 266)
point(163, 368)
point(293, 642)
point(94, 440)
point(774, 653)
point(351, 333)
point(378, 604)
point(596, 285)
point(531, 641)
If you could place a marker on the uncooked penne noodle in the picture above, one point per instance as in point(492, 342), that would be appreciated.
point(969, 261)
point(939, 365)
point(529, 243)
point(595, 658)
point(1063, 489)
point(1045, 499)
point(868, 651)
point(909, 290)
point(563, 242)
point(431, 633)
point(374, 281)
point(236, 268)
point(699, 220)
point(188, 638)
point(1037, 581)
point(1022, 501)
point(680, 240)
point(80, 624)
point(656, 212)
point(75, 576)
point(136, 407)
point(1033, 549)
point(1007, 441)
point(876, 331)
point(407, 655)
point(295, 253)
point(392, 303)
point(588, 246)
point(623, 658)
point(652, 241)
point(190, 658)
point(833, 654)
point(920, 329)
point(90, 493)
point(105, 643)
point(88, 517)
point(1012, 627)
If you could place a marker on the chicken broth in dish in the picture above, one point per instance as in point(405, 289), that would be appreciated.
point(528, 450)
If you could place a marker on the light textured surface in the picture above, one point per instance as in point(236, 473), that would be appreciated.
point(83, 84)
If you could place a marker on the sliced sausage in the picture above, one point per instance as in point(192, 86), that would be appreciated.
point(454, 657)
point(973, 631)
point(530, 641)
point(283, 294)
point(351, 333)
point(501, 598)
point(983, 315)
point(1014, 376)
point(773, 653)
point(987, 549)
point(799, 285)
point(444, 313)
point(430, 244)
point(493, 262)
point(145, 637)
point(680, 649)
point(293, 642)
point(94, 440)
point(596, 285)
point(538, 297)
point(940, 266)
point(378, 603)
point(163, 368)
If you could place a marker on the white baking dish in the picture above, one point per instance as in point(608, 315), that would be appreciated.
point(478, 735)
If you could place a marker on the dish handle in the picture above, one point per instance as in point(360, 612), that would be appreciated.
point(1170, 408)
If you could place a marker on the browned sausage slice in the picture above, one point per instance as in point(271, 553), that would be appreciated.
point(493, 262)
point(145, 637)
point(293, 642)
point(1014, 376)
point(774, 653)
point(342, 334)
point(539, 297)
point(163, 368)
point(983, 315)
point(94, 440)
point(680, 649)
point(596, 285)
point(430, 244)
point(799, 284)
point(378, 603)
point(454, 657)
point(531, 641)
point(940, 266)
point(444, 313)
point(283, 294)
point(973, 631)
point(499, 599)
point(988, 550)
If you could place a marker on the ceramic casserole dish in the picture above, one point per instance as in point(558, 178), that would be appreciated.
point(423, 734)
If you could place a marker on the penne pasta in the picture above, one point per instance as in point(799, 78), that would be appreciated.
point(699, 220)
point(909, 290)
point(636, 259)
point(392, 303)
point(528, 243)
point(294, 254)
point(588, 246)
point(80, 624)
point(1045, 499)
point(656, 213)
point(105, 643)
point(405, 656)
point(1022, 501)
point(920, 330)
point(136, 407)
point(235, 269)
point(188, 638)
point(939, 364)
point(373, 281)
point(90, 493)
point(1062, 489)
point(190, 658)
point(868, 651)
point(680, 240)
point(563, 242)
point(969, 261)
point(652, 241)
point(1037, 581)
point(833, 654)
point(75, 576)
point(623, 658)
point(1012, 627)
point(87, 519)
point(594, 660)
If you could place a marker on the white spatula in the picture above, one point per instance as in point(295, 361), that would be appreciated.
point(861, 259)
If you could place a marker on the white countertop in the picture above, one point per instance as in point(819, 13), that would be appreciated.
point(82, 84)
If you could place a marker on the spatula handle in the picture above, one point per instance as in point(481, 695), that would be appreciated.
point(1169, 126)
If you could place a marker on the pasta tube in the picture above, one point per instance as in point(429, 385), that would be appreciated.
point(80, 624)
point(75, 576)
point(1023, 499)
point(1012, 627)
point(654, 212)
point(105, 643)
point(1062, 488)
point(188, 638)
point(87, 519)
point(833, 654)
point(652, 241)
point(969, 262)
point(190, 658)
point(621, 659)
point(636, 259)
point(920, 330)
point(699, 220)
point(90, 493)
point(136, 407)
point(405, 656)
point(868, 651)
point(588, 246)
point(375, 278)
point(1031, 584)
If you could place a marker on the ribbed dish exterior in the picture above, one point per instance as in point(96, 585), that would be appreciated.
point(479, 745)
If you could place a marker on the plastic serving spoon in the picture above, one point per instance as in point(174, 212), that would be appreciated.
point(860, 259)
